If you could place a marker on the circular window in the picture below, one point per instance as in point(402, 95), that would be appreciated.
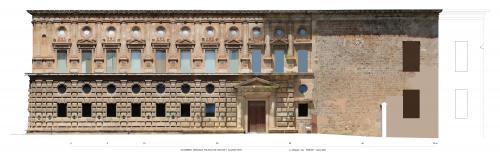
point(185, 31)
point(210, 88)
point(61, 88)
point(233, 31)
point(210, 32)
point(256, 32)
point(279, 32)
point(86, 88)
point(302, 32)
point(302, 88)
point(136, 32)
point(111, 32)
point(185, 88)
point(61, 32)
point(160, 31)
point(111, 88)
point(86, 31)
point(136, 88)
point(160, 88)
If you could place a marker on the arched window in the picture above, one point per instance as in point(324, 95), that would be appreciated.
point(233, 32)
point(302, 32)
point(136, 32)
point(256, 32)
point(279, 32)
point(110, 32)
point(61, 32)
point(86, 32)
point(160, 31)
point(210, 31)
point(185, 31)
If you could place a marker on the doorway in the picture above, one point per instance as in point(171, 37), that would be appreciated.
point(256, 116)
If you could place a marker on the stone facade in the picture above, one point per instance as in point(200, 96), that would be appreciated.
point(341, 64)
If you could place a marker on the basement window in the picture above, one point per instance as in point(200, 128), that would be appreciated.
point(136, 110)
point(61, 88)
point(86, 110)
point(303, 110)
point(160, 88)
point(86, 88)
point(160, 109)
point(209, 110)
point(185, 110)
point(210, 88)
point(111, 88)
point(185, 88)
point(411, 103)
point(111, 110)
point(136, 88)
point(61, 109)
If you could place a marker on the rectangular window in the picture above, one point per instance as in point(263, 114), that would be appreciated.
point(209, 110)
point(303, 110)
point(136, 110)
point(256, 60)
point(185, 110)
point(86, 110)
point(61, 109)
point(303, 60)
point(461, 104)
point(185, 60)
point(86, 61)
point(233, 61)
point(411, 103)
point(62, 59)
point(111, 61)
point(461, 56)
point(210, 60)
point(279, 61)
point(161, 61)
point(411, 56)
point(111, 110)
point(136, 61)
point(160, 109)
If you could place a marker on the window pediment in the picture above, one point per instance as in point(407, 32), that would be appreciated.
point(257, 82)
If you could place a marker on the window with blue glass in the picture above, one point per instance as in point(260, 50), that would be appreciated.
point(209, 110)
point(62, 59)
point(185, 60)
point(303, 60)
point(302, 88)
point(256, 60)
point(110, 61)
point(210, 60)
point(233, 61)
point(161, 61)
point(136, 61)
point(86, 61)
point(279, 61)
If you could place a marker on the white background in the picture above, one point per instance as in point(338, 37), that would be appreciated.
point(465, 20)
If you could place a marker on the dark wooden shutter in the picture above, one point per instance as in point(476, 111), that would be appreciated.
point(411, 103)
point(411, 56)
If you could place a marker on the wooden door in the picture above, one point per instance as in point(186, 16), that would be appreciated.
point(256, 116)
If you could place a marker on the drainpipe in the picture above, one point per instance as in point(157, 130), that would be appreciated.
point(383, 107)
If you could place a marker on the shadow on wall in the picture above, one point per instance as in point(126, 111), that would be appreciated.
point(423, 27)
